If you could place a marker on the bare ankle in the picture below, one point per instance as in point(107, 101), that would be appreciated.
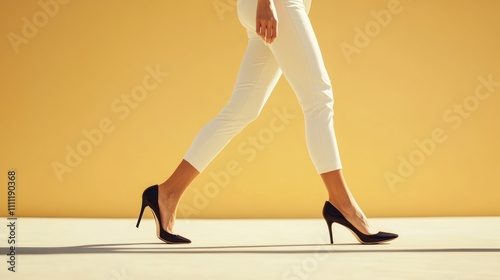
point(166, 192)
point(345, 207)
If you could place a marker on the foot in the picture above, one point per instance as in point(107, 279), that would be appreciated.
point(167, 203)
point(356, 217)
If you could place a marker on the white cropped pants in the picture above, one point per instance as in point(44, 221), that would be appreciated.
point(295, 53)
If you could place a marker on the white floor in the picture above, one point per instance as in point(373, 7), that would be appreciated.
point(113, 249)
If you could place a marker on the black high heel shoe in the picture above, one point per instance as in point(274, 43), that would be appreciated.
point(150, 198)
point(333, 215)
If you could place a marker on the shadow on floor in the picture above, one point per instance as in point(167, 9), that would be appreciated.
point(162, 248)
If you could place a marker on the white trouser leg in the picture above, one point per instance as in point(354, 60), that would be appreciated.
point(296, 52)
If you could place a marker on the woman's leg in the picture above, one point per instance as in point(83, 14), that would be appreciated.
point(170, 192)
point(257, 77)
point(298, 54)
point(340, 196)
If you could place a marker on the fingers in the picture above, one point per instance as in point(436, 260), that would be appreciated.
point(267, 30)
point(266, 21)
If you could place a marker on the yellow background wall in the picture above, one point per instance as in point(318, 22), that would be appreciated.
point(417, 98)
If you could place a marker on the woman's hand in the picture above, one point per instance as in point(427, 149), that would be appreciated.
point(267, 21)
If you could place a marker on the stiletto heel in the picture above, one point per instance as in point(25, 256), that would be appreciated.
point(333, 215)
point(329, 223)
point(150, 198)
point(142, 212)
